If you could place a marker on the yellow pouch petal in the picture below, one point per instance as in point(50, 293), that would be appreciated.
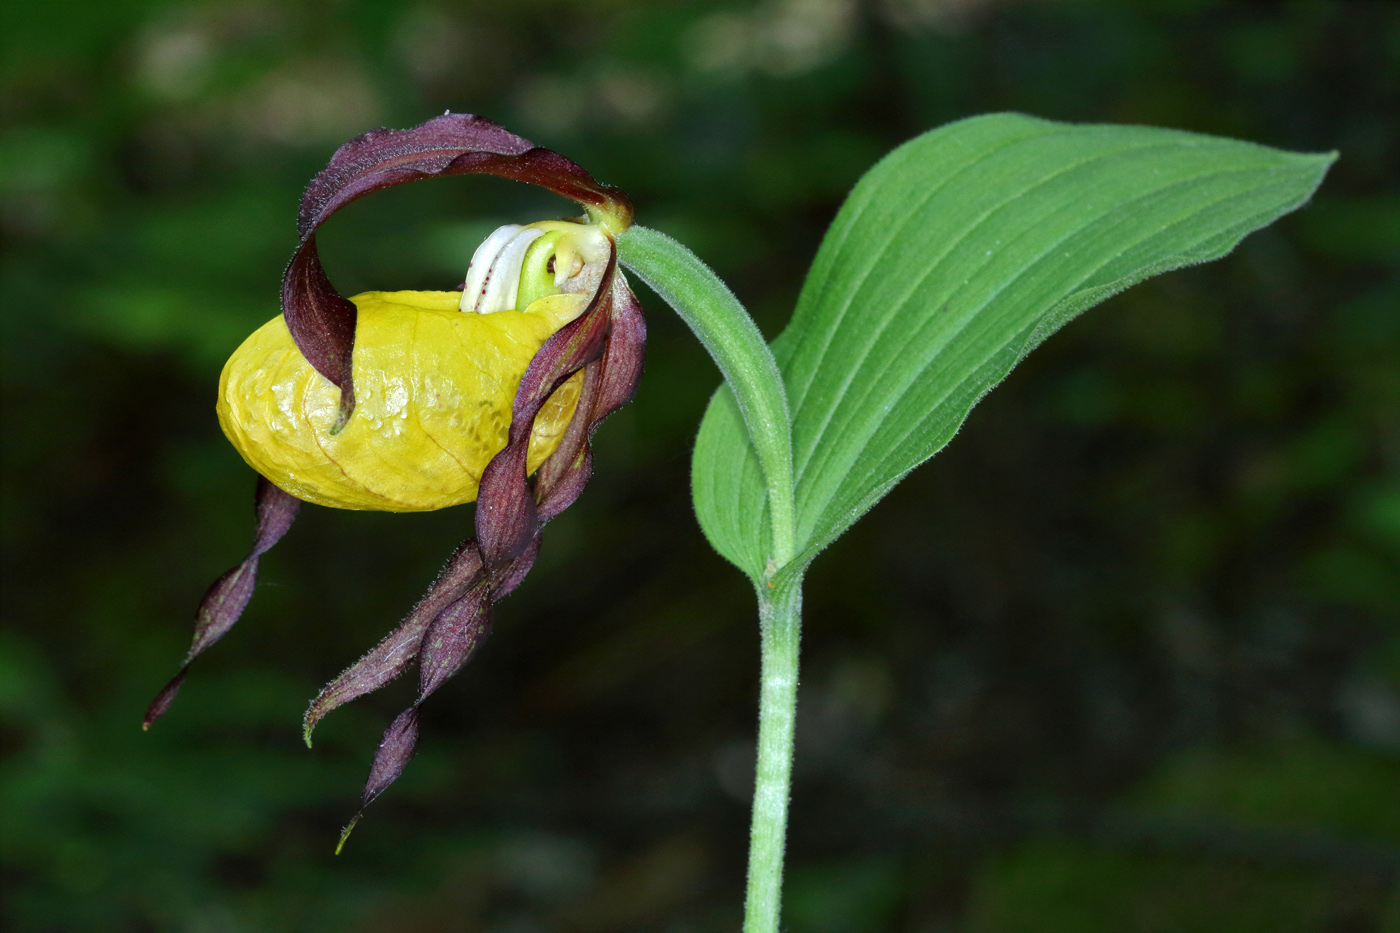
point(433, 386)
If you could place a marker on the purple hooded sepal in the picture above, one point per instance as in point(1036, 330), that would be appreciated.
point(321, 321)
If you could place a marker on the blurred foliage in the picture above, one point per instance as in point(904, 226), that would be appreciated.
point(1125, 657)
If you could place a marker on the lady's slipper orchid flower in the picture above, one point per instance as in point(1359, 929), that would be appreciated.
point(408, 401)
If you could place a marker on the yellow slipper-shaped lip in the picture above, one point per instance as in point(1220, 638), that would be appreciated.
point(434, 388)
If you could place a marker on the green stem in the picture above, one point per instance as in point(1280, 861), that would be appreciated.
point(710, 309)
point(780, 619)
point(733, 340)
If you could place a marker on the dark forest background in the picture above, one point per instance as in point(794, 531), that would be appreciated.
point(1125, 657)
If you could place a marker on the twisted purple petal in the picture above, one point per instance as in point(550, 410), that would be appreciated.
point(394, 752)
point(392, 656)
point(608, 343)
point(506, 515)
point(561, 479)
point(452, 639)
point(225, 601)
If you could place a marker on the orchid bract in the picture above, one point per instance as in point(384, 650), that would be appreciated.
point(953, 257)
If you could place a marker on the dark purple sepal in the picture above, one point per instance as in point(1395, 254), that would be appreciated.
point(450, 144)
point(608, 343)
point(393, 755)
point(452, 639)
point(321, 321)
point(226, 599)
point(392, 656)
point(505, 581)
point(394, 752)
point(562, 478)
point(505, 509)
point(506, 519)
point(625, 355)
point(164, 698)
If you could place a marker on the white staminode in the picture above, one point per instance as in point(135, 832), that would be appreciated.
point(493, 278)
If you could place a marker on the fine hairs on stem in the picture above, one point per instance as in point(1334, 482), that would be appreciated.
point(727, 331)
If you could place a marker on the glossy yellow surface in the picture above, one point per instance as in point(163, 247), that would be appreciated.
point(433, 388)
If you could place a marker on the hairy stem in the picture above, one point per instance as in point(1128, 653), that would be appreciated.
point(725, 329)
point(780, 618)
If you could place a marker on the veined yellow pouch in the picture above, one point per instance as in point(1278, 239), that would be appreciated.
point(433, 390)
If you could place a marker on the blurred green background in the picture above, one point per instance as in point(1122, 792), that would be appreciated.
point(1126, 657)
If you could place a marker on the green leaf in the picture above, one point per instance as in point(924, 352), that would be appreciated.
point(726, 485)
point(734, 342)
point(953, 258)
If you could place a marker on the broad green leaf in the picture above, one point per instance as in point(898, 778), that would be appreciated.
point(726, 485)
point(953, 258)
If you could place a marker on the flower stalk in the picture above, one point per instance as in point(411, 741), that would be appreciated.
point(733, 340)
